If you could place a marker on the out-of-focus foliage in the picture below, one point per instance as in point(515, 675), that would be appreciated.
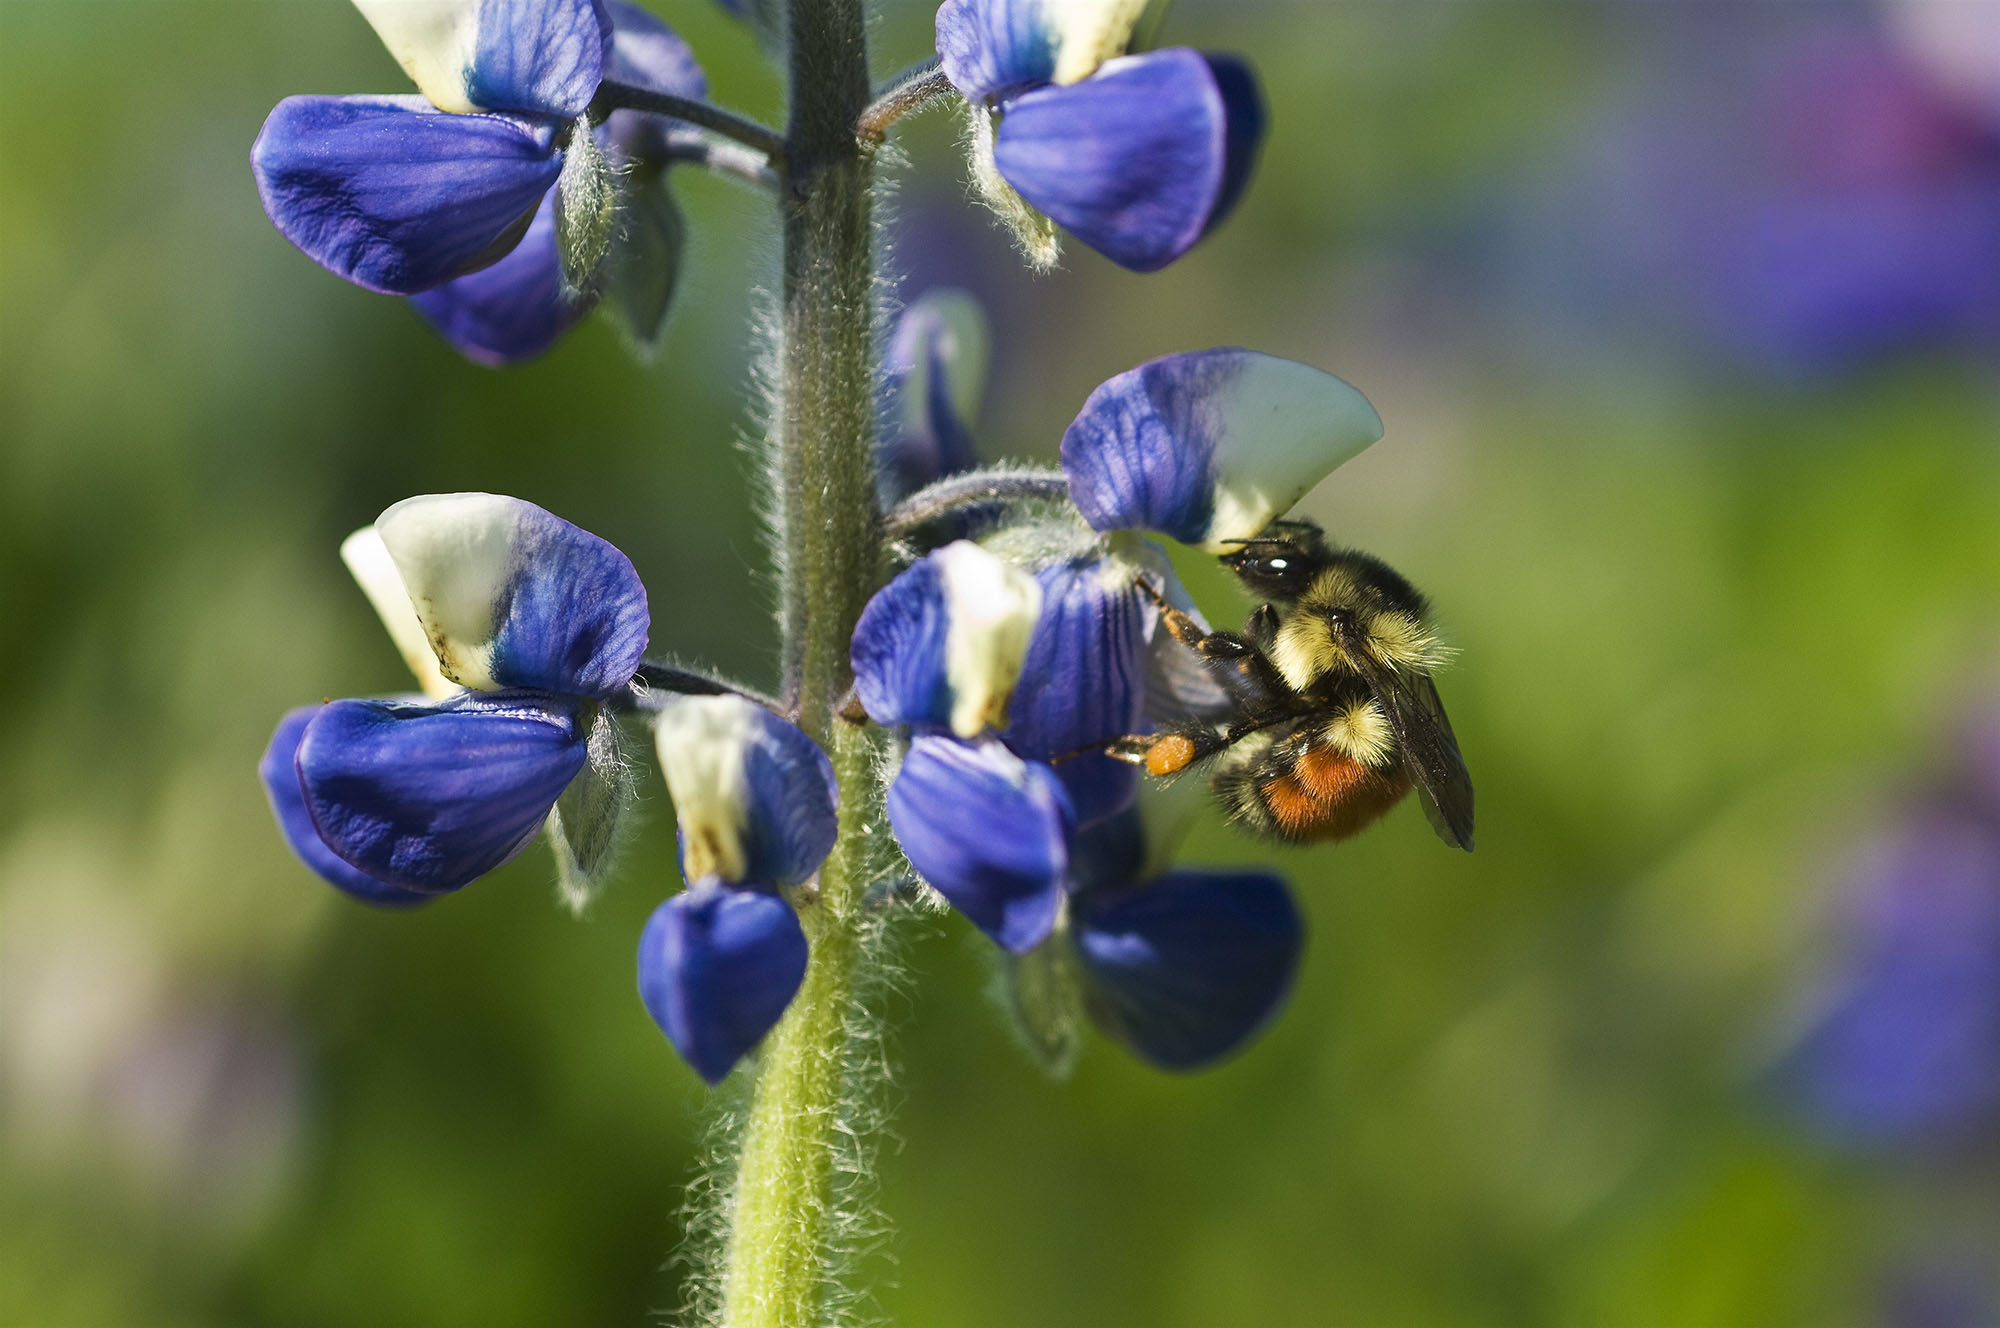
point(1714, 612)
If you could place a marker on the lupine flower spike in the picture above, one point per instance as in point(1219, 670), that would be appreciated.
point(1008, 634)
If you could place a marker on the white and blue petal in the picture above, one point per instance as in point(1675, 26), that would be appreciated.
point(646, 53)
point(988, 831)
point(717, 967)
point(942, 644)
point(936, 372)
point(1184, 969)
point(1142, 159)
point(544, 57)
point(1083, 681)
point(755, 796)
point(513, 310)
point(430, 796)
point(280, 774)
point(395, 196)
point(512, 596)
point(992, 49)
point(1210, 446)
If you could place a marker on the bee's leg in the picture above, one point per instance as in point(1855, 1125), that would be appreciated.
point(1261, 630)
point(1237, 663)
point(1171, 752)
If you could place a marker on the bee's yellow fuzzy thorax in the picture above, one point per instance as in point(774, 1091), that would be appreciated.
point(1308, 648)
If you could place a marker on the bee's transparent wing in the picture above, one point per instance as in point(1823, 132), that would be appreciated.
point(1430, 749)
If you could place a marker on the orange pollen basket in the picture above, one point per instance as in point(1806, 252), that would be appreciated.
point(1170, 755)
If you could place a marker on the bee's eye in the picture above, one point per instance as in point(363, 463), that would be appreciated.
point(1276, 564)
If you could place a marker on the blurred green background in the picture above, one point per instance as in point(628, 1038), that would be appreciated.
point(1714, 613)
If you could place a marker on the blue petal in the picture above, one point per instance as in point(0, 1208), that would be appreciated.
point(1184, 969)
point(647, 53)
point(1904, 1047)
point(396, 196)
point(988, 831)
point(1084, 681)
point(280, 773)
point(1210, 446)
point(993, 47)
point(431, 796)
point(512, 311)
point(717, 967)
point(942, 644)
point(544, 57)
point(755, 796)
point(1140, 160)
point(936, 371)
point(898, 650)
point(512, 596)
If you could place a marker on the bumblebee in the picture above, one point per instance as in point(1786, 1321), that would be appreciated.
point(1331, 716)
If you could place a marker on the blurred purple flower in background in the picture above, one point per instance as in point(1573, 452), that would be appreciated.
point(1797, 189)
point(1902, 1048)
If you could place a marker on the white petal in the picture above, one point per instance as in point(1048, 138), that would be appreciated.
point(456, 554)
point(368, 559)
point(1284, 426)
point(1091, 32)
point(702, 742)
point(434, 41)
point(991, 609)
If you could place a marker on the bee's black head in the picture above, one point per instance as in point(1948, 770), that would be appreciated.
point(1281, 563)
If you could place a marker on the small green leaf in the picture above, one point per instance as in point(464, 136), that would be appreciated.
point(1045, 996)
point(586, 209)
point(645, 264)
point(586, 826)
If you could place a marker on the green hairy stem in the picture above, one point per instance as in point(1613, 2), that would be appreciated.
point(780, 1261)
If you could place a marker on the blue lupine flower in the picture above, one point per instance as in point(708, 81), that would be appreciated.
point(1181, 967)
point(1007, 875)
point(451, 200)
point(520, 306)
point(1138, 156)
point(936, 372)
point(399, 194)
point(538, 621)
point(717, 967)
point(1210, 446)
point(999, 776)
point(756, 801)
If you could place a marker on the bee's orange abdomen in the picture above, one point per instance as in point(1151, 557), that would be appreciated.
point(1326, 794)
point(1169, 756)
